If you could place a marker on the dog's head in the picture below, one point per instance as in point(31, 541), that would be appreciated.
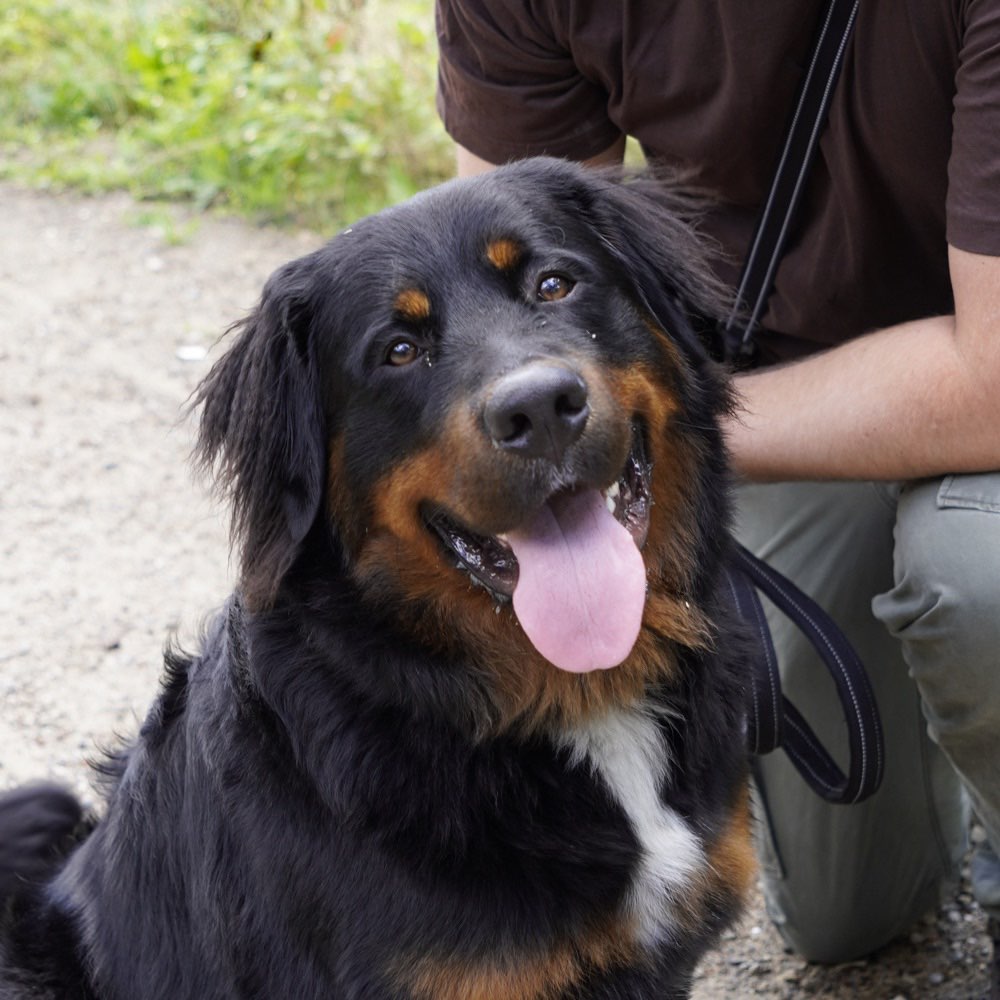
point(493, 398)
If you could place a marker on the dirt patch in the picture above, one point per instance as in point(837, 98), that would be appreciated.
point(108, 546)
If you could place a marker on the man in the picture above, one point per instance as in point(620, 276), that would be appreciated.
point(869, 458)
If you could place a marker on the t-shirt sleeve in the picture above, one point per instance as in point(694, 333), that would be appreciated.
point(974, 167)
point(508, 86)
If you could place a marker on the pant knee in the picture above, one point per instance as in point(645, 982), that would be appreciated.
point(831, 937)
point(942, 608)
point(948, 640)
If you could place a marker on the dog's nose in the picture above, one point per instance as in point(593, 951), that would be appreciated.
point(537, 411)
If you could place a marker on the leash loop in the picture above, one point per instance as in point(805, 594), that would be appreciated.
point(772, 726)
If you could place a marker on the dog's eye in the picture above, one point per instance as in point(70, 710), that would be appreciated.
point(552, 287)
point(402, 352)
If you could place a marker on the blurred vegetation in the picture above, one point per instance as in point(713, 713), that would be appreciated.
point(282, 110)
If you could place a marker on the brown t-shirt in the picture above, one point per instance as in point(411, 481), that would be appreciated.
point(909, 160)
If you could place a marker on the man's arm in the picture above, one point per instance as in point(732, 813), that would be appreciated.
point(918, 399)
point(469, 164)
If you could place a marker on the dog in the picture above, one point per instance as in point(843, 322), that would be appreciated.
point(473, 725)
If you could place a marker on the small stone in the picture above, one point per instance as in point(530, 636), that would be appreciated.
point(935, 979)
point(191, 352)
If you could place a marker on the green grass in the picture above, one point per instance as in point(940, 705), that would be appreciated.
point(281, 110)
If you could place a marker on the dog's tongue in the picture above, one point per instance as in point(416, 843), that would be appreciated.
point(581, 583)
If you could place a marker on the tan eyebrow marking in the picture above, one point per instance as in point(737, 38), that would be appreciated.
point(503, 254)
point(413, 305)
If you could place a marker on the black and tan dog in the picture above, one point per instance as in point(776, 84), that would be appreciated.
point(472, 727)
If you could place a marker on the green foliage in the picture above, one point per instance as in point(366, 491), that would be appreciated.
point(280, 109)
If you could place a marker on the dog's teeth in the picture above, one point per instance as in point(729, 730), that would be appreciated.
point(610, 503)
point(613, 490)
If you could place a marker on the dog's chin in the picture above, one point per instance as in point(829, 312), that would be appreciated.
point(489, 559)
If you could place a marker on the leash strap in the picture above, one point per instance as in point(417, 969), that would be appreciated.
point(774, 720)
point(788, 183)
point(766, 727)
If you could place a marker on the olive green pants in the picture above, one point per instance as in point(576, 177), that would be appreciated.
point(912, 574)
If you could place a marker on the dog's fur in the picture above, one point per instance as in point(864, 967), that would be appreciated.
point(368, 783)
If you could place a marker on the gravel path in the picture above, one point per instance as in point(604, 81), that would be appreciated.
point(107, 545)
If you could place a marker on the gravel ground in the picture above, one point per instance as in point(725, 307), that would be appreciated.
point(108, 546)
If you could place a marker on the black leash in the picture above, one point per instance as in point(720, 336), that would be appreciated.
point(774, 720)
point(801, 140)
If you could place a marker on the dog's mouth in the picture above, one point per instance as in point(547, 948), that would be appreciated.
point(574, 571)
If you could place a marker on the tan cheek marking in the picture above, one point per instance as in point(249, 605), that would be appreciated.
point(428, 475)
point(413, 305)
point(397, 551)
point(670, 547)
point(503, 254)
point(672, 351)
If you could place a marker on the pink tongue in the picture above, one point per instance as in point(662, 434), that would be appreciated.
point(581, 583)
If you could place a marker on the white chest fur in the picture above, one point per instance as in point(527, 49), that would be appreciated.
point(626, 749)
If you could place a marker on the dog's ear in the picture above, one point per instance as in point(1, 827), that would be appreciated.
point(262, 430)
point(648, 223)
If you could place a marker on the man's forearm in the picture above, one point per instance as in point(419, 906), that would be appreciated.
point(905, 402)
